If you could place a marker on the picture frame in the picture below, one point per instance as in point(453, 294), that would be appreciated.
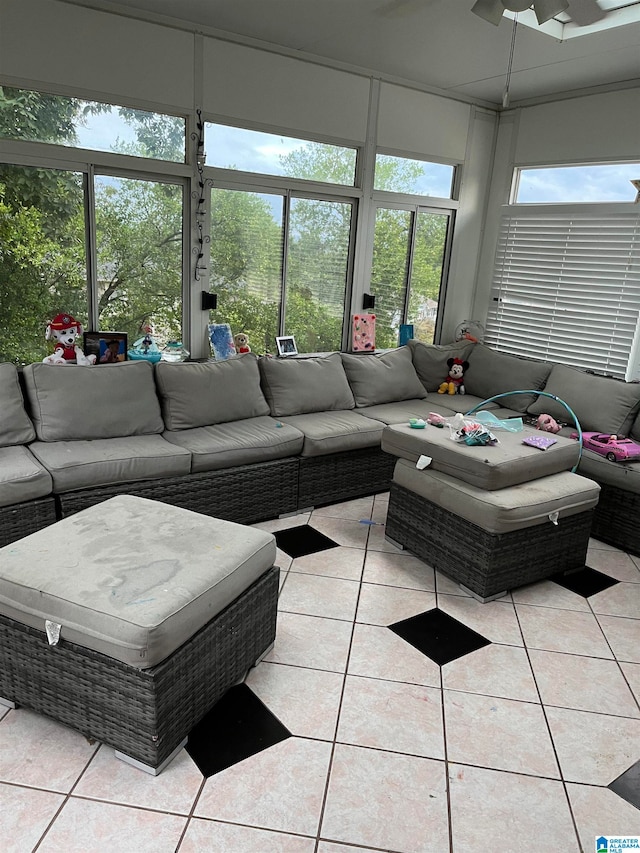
point(221, 340)
point(286, 345)
point(108, 347)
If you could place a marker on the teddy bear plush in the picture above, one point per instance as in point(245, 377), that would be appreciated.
point(64, 330)
point(454, 383)
point(242, 343)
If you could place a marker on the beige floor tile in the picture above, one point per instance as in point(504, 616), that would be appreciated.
point(377, 652)
point(393, 716)
point(562, 631)
point(315, 595)
point(377, 542)
point(476, 725)
point(275, 524)
point(495, 620)
point(386, 800)
point(311, 641)
point(632, 674)
point(280, 788)
point(582, 683)
point(493, 670)
point(215, 837)
point(623, 635)
point(598, 811)
point(446, 586)
point(623, 599)
point(384, 605)
point(339, 562)
point(41, 753)
point(550, 594)
point(306, 701)
point(109, 778)
point(380, 509)
point(510, 811)
point(357, 509)
point(593, 748)
point(598, 545)
point(350, 534)
point(283, 560)
point(86, 826)
point(329, 847)
point(616, 564)
point(25, 813)
point(402, 570)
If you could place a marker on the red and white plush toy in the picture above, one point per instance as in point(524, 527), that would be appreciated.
point(64, 330)
point(454, 383)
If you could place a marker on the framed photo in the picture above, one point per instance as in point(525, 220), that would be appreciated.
point(286, 345)
point(108, 347)
point(363, 333)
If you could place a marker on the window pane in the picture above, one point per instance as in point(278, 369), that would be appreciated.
point(139, 256)
point(426, 273)
point(89, 124)
point(391, 246)
point(402, 175)
point(317, 267)
point(568, 184)
point(246, 263)
point(273, 154)
point(42, 257)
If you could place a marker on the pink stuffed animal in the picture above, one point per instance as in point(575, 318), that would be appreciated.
point(547, 424)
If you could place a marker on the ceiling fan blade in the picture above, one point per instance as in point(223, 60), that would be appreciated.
point(585, 12)
point(546, 9)
point(489, 10)
point(516, 5)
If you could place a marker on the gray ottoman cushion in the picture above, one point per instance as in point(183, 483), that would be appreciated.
point(22, 478)
point(504, 510)
point(131, 578)
point(489, 467)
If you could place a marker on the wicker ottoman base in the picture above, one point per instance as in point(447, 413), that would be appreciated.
point(144, 714)
point(487, 564)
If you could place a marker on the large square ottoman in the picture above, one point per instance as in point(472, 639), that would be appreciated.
point(129, 620)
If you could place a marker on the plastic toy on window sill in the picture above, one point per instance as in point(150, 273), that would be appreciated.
point(145, 348)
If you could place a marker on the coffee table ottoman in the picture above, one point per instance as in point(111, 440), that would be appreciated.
point(130, 619)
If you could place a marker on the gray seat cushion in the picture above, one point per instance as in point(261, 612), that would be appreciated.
point(335, 432)
point(297, 386)
point(15, 424)
point(83, 464)
point(402, 411)
point(385, 378)
point(487, 467)
point(151, 576)
point(504, 510)
point(22, 478)
point(237, 443)
point(621, 475)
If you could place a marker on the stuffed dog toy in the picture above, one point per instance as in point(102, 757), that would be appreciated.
point(64, 330)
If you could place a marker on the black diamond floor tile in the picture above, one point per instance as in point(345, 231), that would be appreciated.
point(439, 636)
point(303, 540)
point(627, 786)
point(237, 726)
point(584, 581)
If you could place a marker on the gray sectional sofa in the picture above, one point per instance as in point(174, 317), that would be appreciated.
point(254, 438)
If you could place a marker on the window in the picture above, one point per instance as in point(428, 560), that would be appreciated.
point(568, 184)
point(566, 287)
point(409, 250)
point(38, 117)
point(235, 148)
point(279, 264)
point(418, 177)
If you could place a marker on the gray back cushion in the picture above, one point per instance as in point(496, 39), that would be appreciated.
point(15, 425)
point(70, 402)
point(297, 386)
point(430, 360)
point(599, 403)
point(491, 372)
point(387, 378)
point(197, 395)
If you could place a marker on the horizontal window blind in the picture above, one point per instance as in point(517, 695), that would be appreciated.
point(566, 287)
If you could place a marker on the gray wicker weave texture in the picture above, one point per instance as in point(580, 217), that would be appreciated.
point(20, 520)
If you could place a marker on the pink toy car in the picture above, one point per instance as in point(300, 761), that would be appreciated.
point(615, 449)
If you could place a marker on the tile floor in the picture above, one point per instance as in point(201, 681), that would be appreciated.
point(513, 746)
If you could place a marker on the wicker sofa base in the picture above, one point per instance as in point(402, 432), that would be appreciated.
point(20, 520)
point(615, 519)
point(486, 563)
point(144, 714)
point(343, 476)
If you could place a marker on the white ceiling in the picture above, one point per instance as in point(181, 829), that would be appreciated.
point(439, 44)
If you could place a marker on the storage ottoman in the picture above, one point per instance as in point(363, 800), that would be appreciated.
point(128, 621)
point(491, 541)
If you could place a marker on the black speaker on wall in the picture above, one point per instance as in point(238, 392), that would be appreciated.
point(209, 301)
point(368, 302)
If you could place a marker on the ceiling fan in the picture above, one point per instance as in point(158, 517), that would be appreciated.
point(582, 12)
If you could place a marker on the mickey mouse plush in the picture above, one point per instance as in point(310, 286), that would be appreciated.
point(453, 384)
point(64, 329)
